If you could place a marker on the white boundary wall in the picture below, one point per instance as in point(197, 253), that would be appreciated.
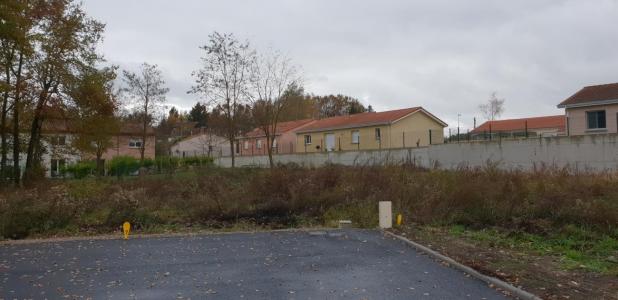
point(580, 153)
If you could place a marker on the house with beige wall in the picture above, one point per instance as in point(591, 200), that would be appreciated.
point(402, 128)
point(592, 110)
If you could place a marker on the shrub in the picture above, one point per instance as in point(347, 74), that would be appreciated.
point(39, 210)
point(167, 163)
point(81, 169)
point(197, 161)
point(148, 162)
point(123, 166)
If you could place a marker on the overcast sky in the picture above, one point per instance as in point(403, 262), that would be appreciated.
point(447, 56)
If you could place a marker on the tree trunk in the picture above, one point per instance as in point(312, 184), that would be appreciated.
point(269, 144)
point(16, 146)
point(233, 150)
point(30, 152)
point(34, 141)
point(143, 147)
point(16, 106)
point(100, 170)
point(3, 131)
point(4, 115)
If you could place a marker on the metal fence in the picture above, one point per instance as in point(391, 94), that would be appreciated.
point(253, 149)
point(454, 135)
point(355, 141)
point(352, 140)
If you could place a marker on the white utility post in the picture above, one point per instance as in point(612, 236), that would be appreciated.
point(386, 214)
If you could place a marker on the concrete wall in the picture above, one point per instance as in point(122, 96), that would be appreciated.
point(581, 153)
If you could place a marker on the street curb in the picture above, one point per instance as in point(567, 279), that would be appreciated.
point(515, 291)
point(118, 236)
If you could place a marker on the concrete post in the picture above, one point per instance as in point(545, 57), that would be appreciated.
point(386, 214)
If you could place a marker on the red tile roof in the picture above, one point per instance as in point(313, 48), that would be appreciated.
point(593, 93)
point(282, 127)
point(362, 119)
point(558, 122)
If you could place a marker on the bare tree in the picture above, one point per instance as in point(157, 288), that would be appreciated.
point(147, 91)
point(224, 79)
point(494, 107)
point(273, 79)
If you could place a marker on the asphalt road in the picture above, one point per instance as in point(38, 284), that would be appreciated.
point(352, 264)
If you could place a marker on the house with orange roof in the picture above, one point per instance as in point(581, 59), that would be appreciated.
point(254, 142)
point(401, 128)
point(523, 127)
point(592, 110)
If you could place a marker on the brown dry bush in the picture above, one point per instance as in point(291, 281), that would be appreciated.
point(535, 202)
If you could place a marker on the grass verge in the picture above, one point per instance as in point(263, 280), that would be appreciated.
point(573, 264)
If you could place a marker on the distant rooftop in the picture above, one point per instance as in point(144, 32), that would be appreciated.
point(590, 94)
point(558, 121)
point(362, 119)
point(282, 127)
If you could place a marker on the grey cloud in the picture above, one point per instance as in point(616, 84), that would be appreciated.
point(447, 56)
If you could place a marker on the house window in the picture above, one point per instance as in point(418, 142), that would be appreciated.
point(58, 140)
point(355, 137)
point(135, 143)
point(596, 119)
point(307, 139)
point(378, 134)
point(246, 145)
point(56, 167)
point(259, 144)
point(237, 147)
point(274, 143)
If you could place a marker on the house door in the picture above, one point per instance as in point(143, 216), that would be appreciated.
point(330, 142)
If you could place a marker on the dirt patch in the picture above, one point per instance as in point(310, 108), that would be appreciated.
point(542, 275)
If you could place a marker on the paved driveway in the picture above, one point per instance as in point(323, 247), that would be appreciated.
point(352, 264)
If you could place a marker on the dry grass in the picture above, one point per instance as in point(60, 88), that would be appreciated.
point(538, 203)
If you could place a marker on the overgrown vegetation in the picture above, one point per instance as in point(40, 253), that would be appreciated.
point(575, 215)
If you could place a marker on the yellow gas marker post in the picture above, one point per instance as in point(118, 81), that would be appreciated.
point(126, 229)
point(399, 219)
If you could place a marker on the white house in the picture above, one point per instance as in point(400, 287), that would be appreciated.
point(202, 144)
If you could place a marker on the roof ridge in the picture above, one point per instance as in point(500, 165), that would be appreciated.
point(361, 119)
point(372, 112)
point(597, 85)
point(526, 118)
